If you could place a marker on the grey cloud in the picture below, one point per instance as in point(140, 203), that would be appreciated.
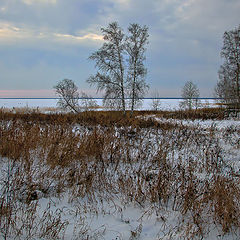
point(64, 16)
point(185, 36)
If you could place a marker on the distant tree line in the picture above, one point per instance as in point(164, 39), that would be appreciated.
point(121, 73)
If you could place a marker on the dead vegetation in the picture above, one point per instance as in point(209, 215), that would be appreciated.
point(101, 156)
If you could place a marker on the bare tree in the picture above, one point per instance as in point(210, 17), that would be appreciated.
point(156, 102)
point(135, 46)
point(228, 86)
point(110, 62)
point(120, 65)
point(87, 102)
point(190, 95)
point(68, 93)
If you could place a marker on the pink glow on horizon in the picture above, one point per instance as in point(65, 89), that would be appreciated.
point(27, 93)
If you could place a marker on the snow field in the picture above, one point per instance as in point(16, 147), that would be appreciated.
point(175, 180)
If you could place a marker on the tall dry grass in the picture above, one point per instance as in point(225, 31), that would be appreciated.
point(103, 155)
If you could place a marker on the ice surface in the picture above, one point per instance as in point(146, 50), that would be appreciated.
point(165, 104)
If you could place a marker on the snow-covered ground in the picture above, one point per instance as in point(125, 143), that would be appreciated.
point(108, 215)
point(116, 220)
point(28, 103)
point(205, 124)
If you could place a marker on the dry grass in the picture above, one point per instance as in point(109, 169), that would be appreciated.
point(106, 155)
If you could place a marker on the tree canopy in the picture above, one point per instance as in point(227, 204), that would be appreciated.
point(120, 63)
point(190, 93)
point(228, 86)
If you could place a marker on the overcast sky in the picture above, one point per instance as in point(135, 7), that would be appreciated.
point(45, 41)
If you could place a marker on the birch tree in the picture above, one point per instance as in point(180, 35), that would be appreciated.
point(136, 47)
point(190, 95)
point(111, 65)
point(156, 102)
point(87, 102)
point(120, 65)
point(228, 86)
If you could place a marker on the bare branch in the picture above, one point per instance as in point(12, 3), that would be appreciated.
point(190, 93)
point(68, 93)
point(228, 86)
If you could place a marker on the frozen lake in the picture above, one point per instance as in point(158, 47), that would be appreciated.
point(165, 103)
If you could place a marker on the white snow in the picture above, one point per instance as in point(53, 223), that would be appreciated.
point(112, 219)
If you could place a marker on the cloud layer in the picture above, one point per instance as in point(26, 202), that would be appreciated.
point(52, 39)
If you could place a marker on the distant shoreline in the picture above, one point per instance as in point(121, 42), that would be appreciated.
point(28, 98)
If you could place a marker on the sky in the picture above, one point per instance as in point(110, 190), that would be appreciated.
point(45, 41)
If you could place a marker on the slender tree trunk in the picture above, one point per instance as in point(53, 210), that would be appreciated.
point(133, 96)
point(123, 99)
point(122, 82)
point(134, 87)
point(238, 90)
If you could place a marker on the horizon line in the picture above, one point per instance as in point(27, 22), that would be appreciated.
point(12, 98)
